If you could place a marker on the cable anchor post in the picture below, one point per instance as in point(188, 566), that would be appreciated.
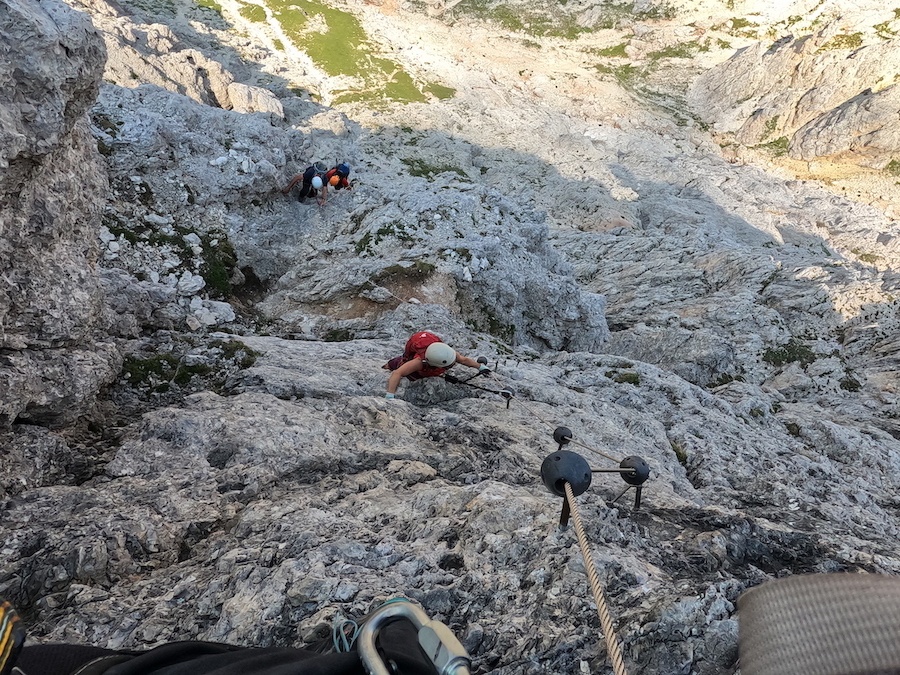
point(562, 435)
point(565, 468)
point(635, 471)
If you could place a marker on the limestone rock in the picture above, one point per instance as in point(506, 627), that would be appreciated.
point(247, 99)
point(152, 53)
point(52, 185)
point(733, 327)
point(862, 129)
point(307, 492)
point(826, 98)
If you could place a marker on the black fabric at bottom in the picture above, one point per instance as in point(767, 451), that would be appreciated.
point(58, 659)
point(398, 642)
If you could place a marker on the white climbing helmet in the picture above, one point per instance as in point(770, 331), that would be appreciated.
point(440, 355)
point(317, 182)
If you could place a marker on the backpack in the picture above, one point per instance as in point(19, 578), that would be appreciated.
point(418, 343)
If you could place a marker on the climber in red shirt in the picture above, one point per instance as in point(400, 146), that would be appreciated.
point(425, 355)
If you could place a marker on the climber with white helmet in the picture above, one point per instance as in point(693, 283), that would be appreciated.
point(425, 355)
point(313, 180)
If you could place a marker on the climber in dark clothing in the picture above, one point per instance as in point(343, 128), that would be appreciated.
point(312, 180)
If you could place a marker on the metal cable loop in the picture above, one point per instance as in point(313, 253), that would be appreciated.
point(612, 643)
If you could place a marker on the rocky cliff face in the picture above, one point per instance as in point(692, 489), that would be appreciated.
point(628, 274)
point(826, 95)
point(53, 186)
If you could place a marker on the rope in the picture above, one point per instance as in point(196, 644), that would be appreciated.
point(612, 643)
point(340, 627)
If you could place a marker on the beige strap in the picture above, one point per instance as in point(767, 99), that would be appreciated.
point(821, 624)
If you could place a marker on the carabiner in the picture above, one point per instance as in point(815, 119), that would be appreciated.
point(436, 639)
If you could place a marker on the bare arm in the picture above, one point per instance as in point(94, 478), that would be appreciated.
point(290, 186)
point(466, 361)
point(407, 368)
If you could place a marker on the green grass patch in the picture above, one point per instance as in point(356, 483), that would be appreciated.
point(116, 228)
point(143, 371)
point(680, 453)
point(893, 167)
point(439, 91)
point(502, 15)
point(792, 352)
point(624, 377)
point(560, 26)
point(770, 126)
point(400, 87)
point(237, 351)
point(739, 26)
point(104, 148)
point(210, 5)
point(884, 31)
point(778, 147)
point(626, 74)
point(684, 50)
point(793, 428)
point(740, 23)
point(338, 44)
point(337, 335)
point(109, 125)
point(396, 230)
point(335, 40)
point(657, 12)
point(551, 20)
point(253, 13)
point(418, 271)
point(616, 51)
point(850, 383)
point(219, 262)
point(612, 16)
point(157, 373)
point(496, 327)
point(422, 169)
point(862, 256)
point(844, 41)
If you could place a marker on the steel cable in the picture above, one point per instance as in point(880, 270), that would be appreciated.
point(609, 634)
point(571, 440)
